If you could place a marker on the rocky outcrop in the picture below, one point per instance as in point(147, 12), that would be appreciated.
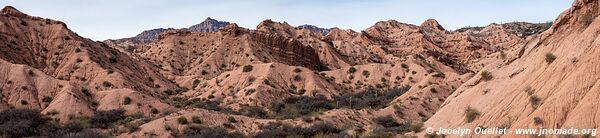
point(130, 44)
point(315, 29)
point(208, 25)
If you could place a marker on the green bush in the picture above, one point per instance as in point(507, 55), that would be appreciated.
point(154, 111)
point(195, 83)
point(104, 119)
point(366, 73)
point(182, 120)
point(126, 100)
point(106, 84)
point(47, 99)
point(535, 101)
point(486, 75)
point(352, 70)
point(297, 77)
point(196, 120)
point(587, 19)
point(404, 65)
point(297, 70)
point(537, 121)
point(439, 75)
point(471, 114)
point(550, 58)
point(231, 119)
point(247, 68)
point(386, 121)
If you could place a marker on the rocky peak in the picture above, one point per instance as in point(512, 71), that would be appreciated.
point(315, 29)
point(208, 25)
point(149, 35)
point(432, 23)
point(9, 10)
point(231, 29)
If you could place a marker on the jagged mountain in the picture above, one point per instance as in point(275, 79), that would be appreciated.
point(313, 28)
point(208, 25)
point(130, 44)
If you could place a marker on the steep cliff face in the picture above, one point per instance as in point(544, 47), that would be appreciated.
point(552, 85)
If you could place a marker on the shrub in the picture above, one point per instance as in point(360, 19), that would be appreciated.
point(52, 112)
point(433, 90)
point(74, 126)
point(77, 50)
point(278, 129)
point(403, 65)
point(47, 99)
point(30, 72)
point(181, 42)
point(253, 111)
point(21, 123)
point(113, 58)
point(352, 70)
point(195, 131)
point(196, 120)
point(486, 75)
point(587, 19)
point(550, 58)
point(247, 68)
point(535, 101)
point(154, 111)
point(104, 119)
point(386, 121)
point(537, 121)
point(366, 73)
point(195, 83)
point(297, 70)
point(471, 114)
point(106, 84)
point(416, 127)
point(126, 100)
point(110, 71)
point(182, 120)
point(231, 119)
point(297, 77)
point(78, 60)
point(439, 75)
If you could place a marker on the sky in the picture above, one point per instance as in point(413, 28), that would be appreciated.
point(112, 19)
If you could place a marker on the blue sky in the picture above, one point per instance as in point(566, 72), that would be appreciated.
point(105, 19)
